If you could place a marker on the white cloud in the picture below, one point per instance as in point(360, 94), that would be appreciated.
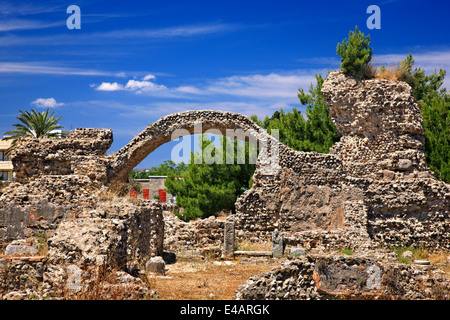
point(143, 86)
point(259, 94)
point(149, 77)
point(46, 103)
point(108, 86)
point(278, 86)
point(135, 86)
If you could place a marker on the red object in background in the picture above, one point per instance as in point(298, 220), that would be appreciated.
point(162, 195)
point(146, 194)
point(133, 194)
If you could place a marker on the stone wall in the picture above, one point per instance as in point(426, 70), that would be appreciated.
point(82, 152)
point(383, 144)
point(374, 176)
point(116, 237)
point(203, 236)
point(373, 188)
point(343, 278)
point(115, 233)
point(60, 192)
point(55, 179)
point(380, 122)
point(43, 202)
point(19, 277)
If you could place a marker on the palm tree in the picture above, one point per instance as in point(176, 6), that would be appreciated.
point(35, 124)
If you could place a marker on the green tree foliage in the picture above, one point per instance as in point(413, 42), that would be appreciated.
point(315, 133)
point(207, 188)
point(168, 167)
point(436, 121)
point(356, 54)
point(320, 130)
point(424, 87)
point(35, 124)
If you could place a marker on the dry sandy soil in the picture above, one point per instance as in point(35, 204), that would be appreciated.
point(210, 280)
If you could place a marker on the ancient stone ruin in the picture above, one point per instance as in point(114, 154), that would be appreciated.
point(373, 189)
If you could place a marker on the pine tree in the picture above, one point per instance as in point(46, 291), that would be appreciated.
point(436, 121)
point(206, 189)
point(316, 133)
point(356, 54)
point(320, 130)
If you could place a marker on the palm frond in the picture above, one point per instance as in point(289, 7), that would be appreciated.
point(35, 124)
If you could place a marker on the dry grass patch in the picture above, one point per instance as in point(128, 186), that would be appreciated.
point(206, 280)
point(438, 258)
point(389, 73)
point(245, 245)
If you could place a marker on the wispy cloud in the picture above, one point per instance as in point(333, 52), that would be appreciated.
point(9, 8)
point(149, 112)
point(259, 94)
point(46, 103)
point(190, 90)
point(11, 13)
point(257, 86)
point(95, 38)
point(45, 68)
point(170, 32)
point(20, 24)
point(273, 85)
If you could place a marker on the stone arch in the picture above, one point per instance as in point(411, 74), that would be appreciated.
point(160, 132)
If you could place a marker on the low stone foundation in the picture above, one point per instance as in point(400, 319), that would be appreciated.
point(344, 277)
point(116, 233)
point(79, 153)
point(204, 236)
point(20, 277)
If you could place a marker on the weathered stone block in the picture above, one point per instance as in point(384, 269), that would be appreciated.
point(297, 252)
point(277, 244)
point(229, 238)
point(155, 265)
point(388, 175)
point(20, 250)
point(405, 164)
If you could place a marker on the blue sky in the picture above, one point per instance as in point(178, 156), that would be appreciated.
point(134, 62)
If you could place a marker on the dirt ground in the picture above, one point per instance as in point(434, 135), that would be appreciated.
point(208, 280)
